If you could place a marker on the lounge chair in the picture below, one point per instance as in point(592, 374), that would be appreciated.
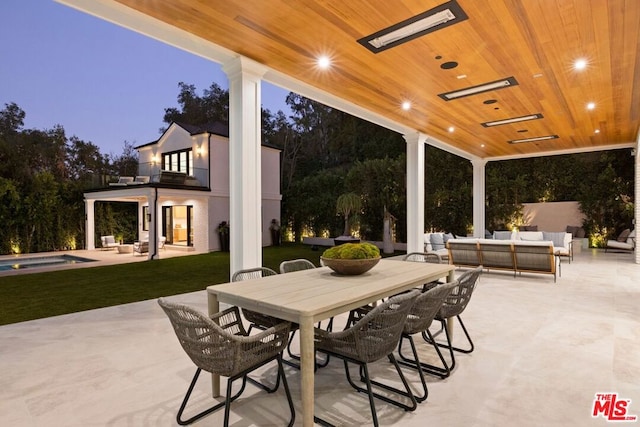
point(108, 242)
point(122, 181)
point(626, 241)
point(140, 247)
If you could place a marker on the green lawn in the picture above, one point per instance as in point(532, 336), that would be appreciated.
point(34, 296)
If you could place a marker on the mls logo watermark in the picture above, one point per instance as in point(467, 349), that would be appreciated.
point(611, 408)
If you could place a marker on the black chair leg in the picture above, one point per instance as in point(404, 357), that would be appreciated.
point(442, 371)
point(285, 384)
point(214, 408)
point(365, 377)
point(466, 333)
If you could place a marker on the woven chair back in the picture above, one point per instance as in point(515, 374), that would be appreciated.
point(221, 346)
point(426, 308)
point(252, 273)
point(458, 299)
point(296, 265)
point(377, 334)
point(431, 258)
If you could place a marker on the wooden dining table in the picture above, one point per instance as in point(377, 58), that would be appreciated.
point(309, 296)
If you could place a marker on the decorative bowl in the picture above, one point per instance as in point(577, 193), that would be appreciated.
point(350, 267)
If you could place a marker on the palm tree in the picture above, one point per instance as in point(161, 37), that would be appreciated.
point(348, 204)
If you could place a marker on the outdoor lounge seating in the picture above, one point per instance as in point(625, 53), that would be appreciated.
point(625, 242)
point(141, 247)
point(372, 337)
point(514, 255)
point(221, 345)
point(109, 242)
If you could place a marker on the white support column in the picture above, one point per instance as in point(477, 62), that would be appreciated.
point(415, 191)
point(155, 212)
point(245, 185)
point(479, 196)
point(90, 224)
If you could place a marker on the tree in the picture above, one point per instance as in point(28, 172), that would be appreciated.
point(348, 205)
point(198, 110)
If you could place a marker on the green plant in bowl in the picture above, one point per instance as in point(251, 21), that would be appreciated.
point(351, 258)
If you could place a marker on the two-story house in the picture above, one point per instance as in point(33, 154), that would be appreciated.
point(182, 189)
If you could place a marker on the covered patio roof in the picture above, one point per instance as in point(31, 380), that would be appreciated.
point(533, 43)
point(483, 80)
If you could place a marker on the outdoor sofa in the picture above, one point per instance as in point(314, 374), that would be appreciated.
point(519, 256)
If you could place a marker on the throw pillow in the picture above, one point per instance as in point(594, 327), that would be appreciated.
point(556, 237)
point(448, 237)
point(437, 241)
point(623, 236)
point(502, 235)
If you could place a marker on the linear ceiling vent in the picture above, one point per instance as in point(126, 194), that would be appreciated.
point(473, 90)
point(439, 17)
point(534, 139)
point(512, 120)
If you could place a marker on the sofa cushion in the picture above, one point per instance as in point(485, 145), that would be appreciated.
point(437, 241)
point(502, 235)
point(531, 236)
point(447, 237)
point(558, 238)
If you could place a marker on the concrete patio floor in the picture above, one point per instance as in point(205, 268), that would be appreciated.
point(543, 351)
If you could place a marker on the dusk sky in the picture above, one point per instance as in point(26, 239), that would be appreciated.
point(103, 83)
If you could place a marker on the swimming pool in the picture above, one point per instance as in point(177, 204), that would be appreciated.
point(43, 261)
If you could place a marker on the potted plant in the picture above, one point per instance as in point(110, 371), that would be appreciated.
point(223, 233)
point(348, 205)
point(351, 258)
point(275, 232)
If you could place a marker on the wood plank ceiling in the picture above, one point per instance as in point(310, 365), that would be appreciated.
point(534, 41)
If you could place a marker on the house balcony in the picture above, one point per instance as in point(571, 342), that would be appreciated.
point(156, 174)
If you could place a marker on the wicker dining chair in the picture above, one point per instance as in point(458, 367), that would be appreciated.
point(453, 306)
point(256, 319)
point(296, 265)
point(290, 266)
point(219, 344)
point(428, 257)
point(371, 338)
point(419, 320)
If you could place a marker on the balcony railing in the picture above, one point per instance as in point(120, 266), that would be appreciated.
point(200, 177)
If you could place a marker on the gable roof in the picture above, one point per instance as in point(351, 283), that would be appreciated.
point(215, 128)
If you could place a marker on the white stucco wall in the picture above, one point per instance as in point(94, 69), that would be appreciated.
point(552, 216)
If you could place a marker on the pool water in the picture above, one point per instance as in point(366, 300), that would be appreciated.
point(44, 261)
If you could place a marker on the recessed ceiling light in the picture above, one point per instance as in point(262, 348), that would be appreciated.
point(580, 64)
point(481, 145)
point(451, 128)
point(597, 131)
point(512, 120)
point(537, 75)
point(439, 17)
point(461, 76)
point(406, 105)
point(591, 106)
point(324, 62)
point(535, 138)
point(498, 84)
